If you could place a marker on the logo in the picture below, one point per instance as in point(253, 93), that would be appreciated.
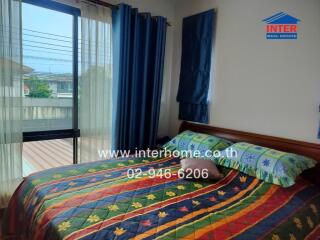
point(281, 26)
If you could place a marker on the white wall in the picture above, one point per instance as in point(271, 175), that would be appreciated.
point(261, 86)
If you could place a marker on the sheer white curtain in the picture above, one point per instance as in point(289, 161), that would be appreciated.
point(10, 98)
point(95, 86)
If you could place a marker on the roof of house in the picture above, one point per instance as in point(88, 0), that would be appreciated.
point(56, 77)
point(14, 64)
point(281, 18)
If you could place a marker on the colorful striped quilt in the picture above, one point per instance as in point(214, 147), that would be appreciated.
point(99, 201)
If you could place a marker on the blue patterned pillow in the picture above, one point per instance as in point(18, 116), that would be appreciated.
point(267, 164)
point(192, 141)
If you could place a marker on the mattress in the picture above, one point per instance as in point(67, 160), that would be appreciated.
point(100, 201)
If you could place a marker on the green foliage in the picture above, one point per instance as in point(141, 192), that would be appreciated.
point(38, 88)
point(41, 90)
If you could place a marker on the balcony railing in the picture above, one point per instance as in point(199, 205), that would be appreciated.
point(43, 114)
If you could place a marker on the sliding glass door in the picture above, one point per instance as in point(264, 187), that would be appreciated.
point(50, 84)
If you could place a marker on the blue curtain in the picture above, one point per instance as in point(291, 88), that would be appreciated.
point(139, 49)
point(197, 41)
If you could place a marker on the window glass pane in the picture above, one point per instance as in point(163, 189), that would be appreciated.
point(47, 60)
point(79, 47)
point(41, 155)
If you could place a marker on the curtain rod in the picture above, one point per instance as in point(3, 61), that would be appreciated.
point(103, 3)
point(109, 5)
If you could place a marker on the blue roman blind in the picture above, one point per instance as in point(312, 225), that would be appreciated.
point(197, 42)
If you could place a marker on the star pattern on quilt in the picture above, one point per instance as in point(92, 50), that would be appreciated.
point(136, 205)
point(198, 185)
point(151, 197)
point(212, 199)
point(183, 209)
point(221, 193)
point(243, 179)
point(119, 231)
point(170, 194)
point(298, 223)
point(162, 214)
point(72, 184)
point(113, 207)
point(275, 237)
point(196, 203)
point(146, 223)
point(64, 226)
point(310, 222)
point(292, 237)
point(314, 208)
point(93, 218)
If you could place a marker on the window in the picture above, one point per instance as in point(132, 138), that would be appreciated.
point(50, 80)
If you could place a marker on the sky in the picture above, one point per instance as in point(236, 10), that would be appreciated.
point(47, 39)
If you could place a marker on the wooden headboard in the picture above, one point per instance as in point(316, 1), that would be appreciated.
point(311, 150)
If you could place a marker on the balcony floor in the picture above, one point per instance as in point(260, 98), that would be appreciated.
point(42, 155)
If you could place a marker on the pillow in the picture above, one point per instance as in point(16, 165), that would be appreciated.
point(200, 168)
point(193, 141)
point(267, 164)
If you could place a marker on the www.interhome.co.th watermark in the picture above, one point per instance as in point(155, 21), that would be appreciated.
point(151, 153)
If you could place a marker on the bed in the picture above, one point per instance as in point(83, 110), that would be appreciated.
point(99, 201)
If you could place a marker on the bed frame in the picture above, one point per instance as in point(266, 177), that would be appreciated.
point(311, 150)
